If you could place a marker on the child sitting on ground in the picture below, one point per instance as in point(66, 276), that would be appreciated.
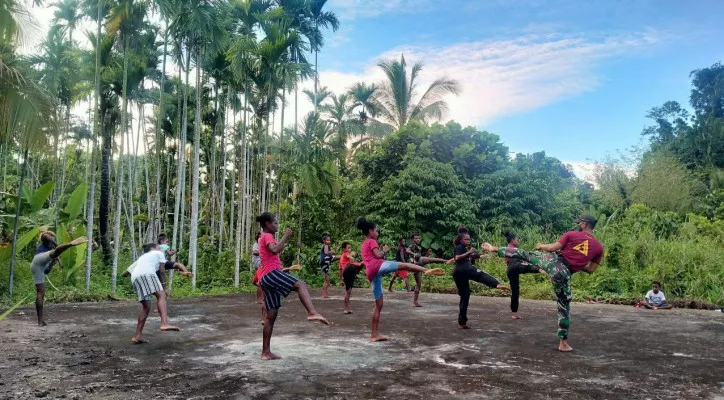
point(655, 298)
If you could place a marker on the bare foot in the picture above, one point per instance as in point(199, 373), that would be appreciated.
point(258, 301)
point(503, 287)
point(42, 324)
point(416, 304)
point(515, 316)
point(564, 347)
point(325, 296)
point(166, 328)
point(379, 338)
point(318, 318)
point(347, 311)
point(489, 247)
point(270, 356)
point(463, 327)
point(138, 341)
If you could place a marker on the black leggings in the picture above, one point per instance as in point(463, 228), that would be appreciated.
point(515, 268)
point(462, 278)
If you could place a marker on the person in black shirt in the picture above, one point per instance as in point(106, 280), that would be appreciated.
point(401, 256)
point(515, 268)
point(464, 272)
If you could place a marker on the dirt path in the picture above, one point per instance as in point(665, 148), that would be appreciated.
point(620, 352)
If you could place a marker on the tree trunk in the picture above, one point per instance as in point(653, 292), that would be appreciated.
point(242, 198)
point(299, 234)
point(235, 163)
point(160, 141)
point(105, 200)
point(16, 225)
point(119, 170)
point(92, 193)
point(194, 229)
point(222, 186)
point(177, 242)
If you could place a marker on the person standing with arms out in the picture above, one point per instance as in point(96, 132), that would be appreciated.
point(464, 272)
point(575, 251)
point(349, 273)
point(46, 255)
point(276, 283)
point(326, 257)
point(377, 267)
point(416, 252)
point(515, 268)
point(401, 256)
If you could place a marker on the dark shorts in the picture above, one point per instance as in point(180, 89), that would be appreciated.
point(325, 268)
point(275, 285)
point(168, 266)
point(349, 274)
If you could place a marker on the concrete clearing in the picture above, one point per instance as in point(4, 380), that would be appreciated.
point(620, 352)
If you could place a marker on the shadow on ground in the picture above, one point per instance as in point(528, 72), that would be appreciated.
point(620, 352)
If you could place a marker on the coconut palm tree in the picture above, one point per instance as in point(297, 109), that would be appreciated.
point(396, 96)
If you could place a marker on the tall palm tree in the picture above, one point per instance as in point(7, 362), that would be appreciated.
point(25, 109)
point(321, 20)
point(198, 28)
point(396, 96)
point(311, 163)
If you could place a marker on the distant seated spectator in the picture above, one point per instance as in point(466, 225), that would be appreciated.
point(655, 298)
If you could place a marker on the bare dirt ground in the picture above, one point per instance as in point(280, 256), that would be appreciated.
point(620, 352)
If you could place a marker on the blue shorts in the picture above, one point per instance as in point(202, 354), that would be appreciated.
point(387, 267)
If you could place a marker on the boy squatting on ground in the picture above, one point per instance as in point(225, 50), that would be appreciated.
point(655, 299)
point(146, 283)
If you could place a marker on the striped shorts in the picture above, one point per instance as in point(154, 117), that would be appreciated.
point(275, 285)
point(146, 285)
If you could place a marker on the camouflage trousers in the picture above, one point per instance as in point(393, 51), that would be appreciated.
point(560, 276)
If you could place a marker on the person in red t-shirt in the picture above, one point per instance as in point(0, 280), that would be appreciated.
point(275, 283)
point(349, 273)
point(574, 251)
point(376, 266)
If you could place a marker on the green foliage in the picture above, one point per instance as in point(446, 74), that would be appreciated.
point(427, 198)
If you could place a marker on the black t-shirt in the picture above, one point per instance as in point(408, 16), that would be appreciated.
point(467, 262)
point(400, 255)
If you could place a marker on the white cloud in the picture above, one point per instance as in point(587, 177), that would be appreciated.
point(352, 9)
point(501, 78)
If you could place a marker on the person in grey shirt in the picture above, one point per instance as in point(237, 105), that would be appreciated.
point(45, 256)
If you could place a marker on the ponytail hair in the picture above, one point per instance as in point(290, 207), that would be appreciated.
point(265, 218)
point(365, 226)
point(509, 236)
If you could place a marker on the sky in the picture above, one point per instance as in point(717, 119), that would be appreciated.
point(572, 78)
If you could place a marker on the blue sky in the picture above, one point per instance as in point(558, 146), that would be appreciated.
point(573, 78)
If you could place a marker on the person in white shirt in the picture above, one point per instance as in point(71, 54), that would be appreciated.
point(655, 299)
point(146, 283)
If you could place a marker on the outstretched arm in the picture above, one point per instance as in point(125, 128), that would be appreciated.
point(63, 247)
point(553, 247)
